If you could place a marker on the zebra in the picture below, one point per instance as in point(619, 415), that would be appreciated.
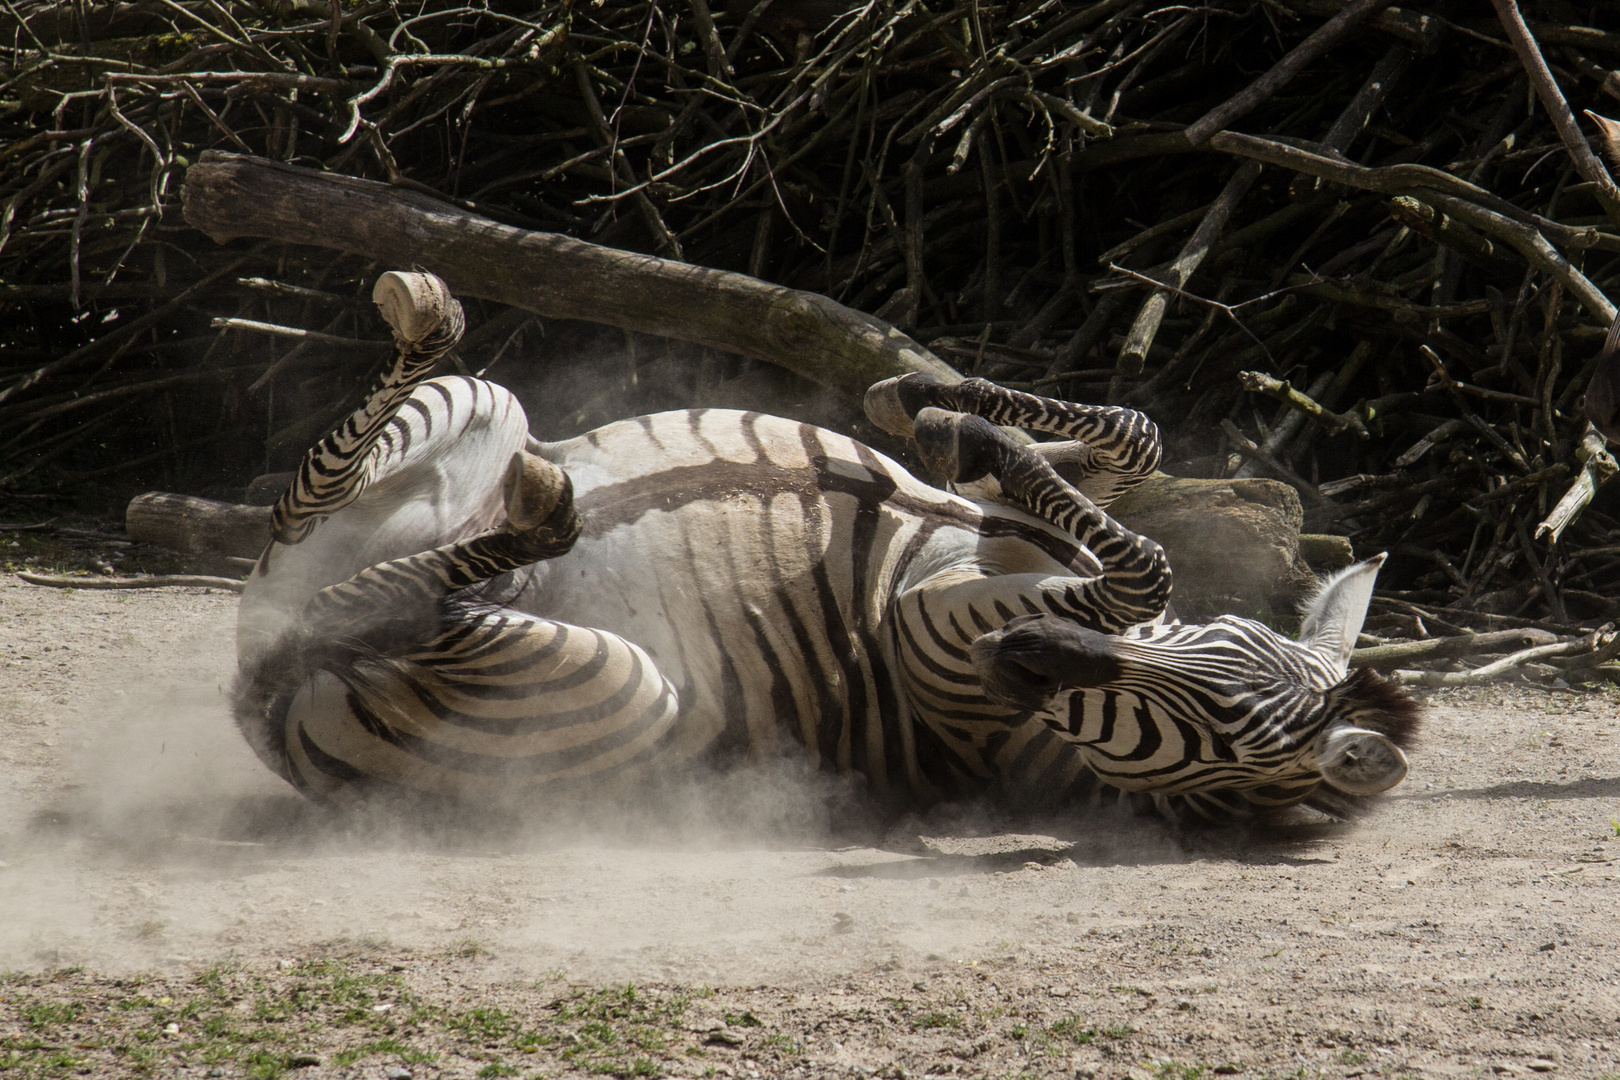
point(452, 608)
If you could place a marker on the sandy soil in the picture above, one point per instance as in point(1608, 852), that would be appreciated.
point(169, 908)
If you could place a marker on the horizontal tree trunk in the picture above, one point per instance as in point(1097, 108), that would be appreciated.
point(1234, 544)
point(196, 526)
point(232, 195)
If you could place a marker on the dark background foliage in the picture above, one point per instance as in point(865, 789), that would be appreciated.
point(1003, 181)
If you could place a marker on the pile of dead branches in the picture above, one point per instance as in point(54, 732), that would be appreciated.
point(1359, 248)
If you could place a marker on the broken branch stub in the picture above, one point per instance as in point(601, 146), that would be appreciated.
point(232, 195)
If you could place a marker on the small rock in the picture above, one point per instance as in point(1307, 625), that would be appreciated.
point(215, 1071)
point(1227, 1068)
point(171, 1029)
point(1183, 1005)
point(383, 1007)
point(1085, 1072)
point(725, 1037)
point(1543, 1064)
point(1058, 991)
point(1502, 1068)
point(1549, 947)
point(284, 965)
point(843, 922)
point(398, 1072)
point(302, 1061)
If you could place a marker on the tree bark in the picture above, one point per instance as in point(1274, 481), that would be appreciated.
point(196, 526)
point(233, 195)
point(1233, 544)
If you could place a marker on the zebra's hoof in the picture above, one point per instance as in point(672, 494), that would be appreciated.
point(956, 447)
point(420, 309)
point(883, 408)
point(892, 403)
point(534, 490)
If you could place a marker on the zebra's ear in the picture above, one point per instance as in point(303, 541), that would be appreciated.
point(1333, 617)
point(1358, 761)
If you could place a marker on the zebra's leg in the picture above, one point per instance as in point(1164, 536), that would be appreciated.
point(427, 322)
point(403, 679)
point(1135, 584)
point(1104, 450)
point(389, 602)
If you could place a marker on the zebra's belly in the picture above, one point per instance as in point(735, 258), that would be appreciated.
point(755, 558)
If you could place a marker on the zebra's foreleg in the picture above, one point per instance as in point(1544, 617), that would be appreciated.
point(1106, 450)
point(1135, 585)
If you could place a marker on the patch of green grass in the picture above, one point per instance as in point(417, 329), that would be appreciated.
point(1117, 1031)
point(615, 1030)
point(264, 1064)
point(785, 1045)
point(935, 1020)
point(1170, 1070)
point(40, 1015)
point(388, 1046)
point(1073, 1029)
point(483, 1025)
point(743, 1019)
point(497, 1068)
point(1352, 1057)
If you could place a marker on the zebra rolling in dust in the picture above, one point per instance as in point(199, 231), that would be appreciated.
point(452, 608)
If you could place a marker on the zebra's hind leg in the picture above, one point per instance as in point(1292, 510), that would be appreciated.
point(427, 322)
point(406, 681)
point(1103, 450)
point(1135, 585)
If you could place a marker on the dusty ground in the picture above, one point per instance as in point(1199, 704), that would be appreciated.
point(167, 908)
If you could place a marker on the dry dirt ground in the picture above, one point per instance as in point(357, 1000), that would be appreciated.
point(168, 908)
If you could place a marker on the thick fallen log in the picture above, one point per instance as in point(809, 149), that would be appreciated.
point(197, 526)
point(233, 195)
point(1234, 544)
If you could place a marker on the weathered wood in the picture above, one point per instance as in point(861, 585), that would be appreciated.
point(196, 526)
point(150, 581)
point(232, 195)
point(1233, 544)
point(1404, 652)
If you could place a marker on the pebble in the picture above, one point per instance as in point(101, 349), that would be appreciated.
point(171, 1029)
point(1542, 1065)
point(726, 1037)
point(1085, 1072)
point(303, 1061)
point(398, 1073)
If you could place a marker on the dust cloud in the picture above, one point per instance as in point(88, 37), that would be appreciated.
point(141, 832)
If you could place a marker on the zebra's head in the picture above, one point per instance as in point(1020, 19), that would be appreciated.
point(1229, 705)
